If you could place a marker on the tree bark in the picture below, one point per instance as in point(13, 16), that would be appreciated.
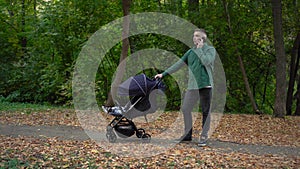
point(297, 96)
point(297, 112)
point(293, 72)
point(240, 60)
point(23, 23)
point(280, 98)
point(124, 53)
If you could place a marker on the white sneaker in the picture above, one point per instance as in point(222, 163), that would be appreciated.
point(104, 109)
point(202, 142)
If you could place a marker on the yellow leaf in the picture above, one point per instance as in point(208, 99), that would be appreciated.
point(94, 151)
point(65, 160)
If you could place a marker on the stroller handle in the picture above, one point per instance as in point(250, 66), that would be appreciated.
point(158, 81)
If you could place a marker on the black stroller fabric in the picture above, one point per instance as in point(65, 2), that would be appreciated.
point(139, 85)
point(142, 90)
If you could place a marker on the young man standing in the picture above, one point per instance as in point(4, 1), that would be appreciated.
point(200, 61)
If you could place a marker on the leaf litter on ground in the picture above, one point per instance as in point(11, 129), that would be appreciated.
point(243, 129)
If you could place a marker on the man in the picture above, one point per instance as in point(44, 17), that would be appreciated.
point(200, 61)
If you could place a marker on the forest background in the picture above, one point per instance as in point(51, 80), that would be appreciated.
point(40, 41)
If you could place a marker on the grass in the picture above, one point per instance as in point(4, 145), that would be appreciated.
point(13, 163)
point(25, 107)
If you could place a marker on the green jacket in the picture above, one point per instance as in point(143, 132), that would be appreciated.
point(200, 62)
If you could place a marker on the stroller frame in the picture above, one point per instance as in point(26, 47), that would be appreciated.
point(122, 124)
point(129, 126)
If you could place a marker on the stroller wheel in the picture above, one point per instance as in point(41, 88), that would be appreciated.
point(109, 129)
point(140, 132)
point(110, 135)
point(146, 137)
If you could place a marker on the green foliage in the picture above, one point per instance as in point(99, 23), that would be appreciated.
point(55, 31)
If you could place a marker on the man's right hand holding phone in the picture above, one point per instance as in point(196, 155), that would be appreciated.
point(200, 43)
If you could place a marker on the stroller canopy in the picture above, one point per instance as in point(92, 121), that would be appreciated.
point(139, 85)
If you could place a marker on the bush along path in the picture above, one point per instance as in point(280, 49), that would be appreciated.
point(55, 139)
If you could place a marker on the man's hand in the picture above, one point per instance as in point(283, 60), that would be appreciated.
point(200, 43)
point(158, 76)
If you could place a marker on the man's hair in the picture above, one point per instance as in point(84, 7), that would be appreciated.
point(203, 31)
point(200, 30)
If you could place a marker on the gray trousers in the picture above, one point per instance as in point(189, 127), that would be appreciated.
point(190, 99)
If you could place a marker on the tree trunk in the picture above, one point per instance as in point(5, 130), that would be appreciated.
point(293, 72)
point(280, 98)
point(297, 96)
point(240, 60)
point(124, 52)
point(297, 112)
point(23, 22)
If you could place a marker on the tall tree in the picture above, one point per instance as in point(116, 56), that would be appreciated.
point(124, 53)
point(240, 60)
point(23, 22)
point(294, 65)
point(280, 98)
point(297, 95)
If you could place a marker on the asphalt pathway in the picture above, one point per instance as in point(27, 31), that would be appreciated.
point(77, 133)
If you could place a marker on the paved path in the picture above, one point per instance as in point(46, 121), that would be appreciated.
point(77, 133)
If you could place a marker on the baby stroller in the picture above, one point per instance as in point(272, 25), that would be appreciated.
point(137, 89)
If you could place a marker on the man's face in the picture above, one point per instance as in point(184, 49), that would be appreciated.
point(198, 37)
